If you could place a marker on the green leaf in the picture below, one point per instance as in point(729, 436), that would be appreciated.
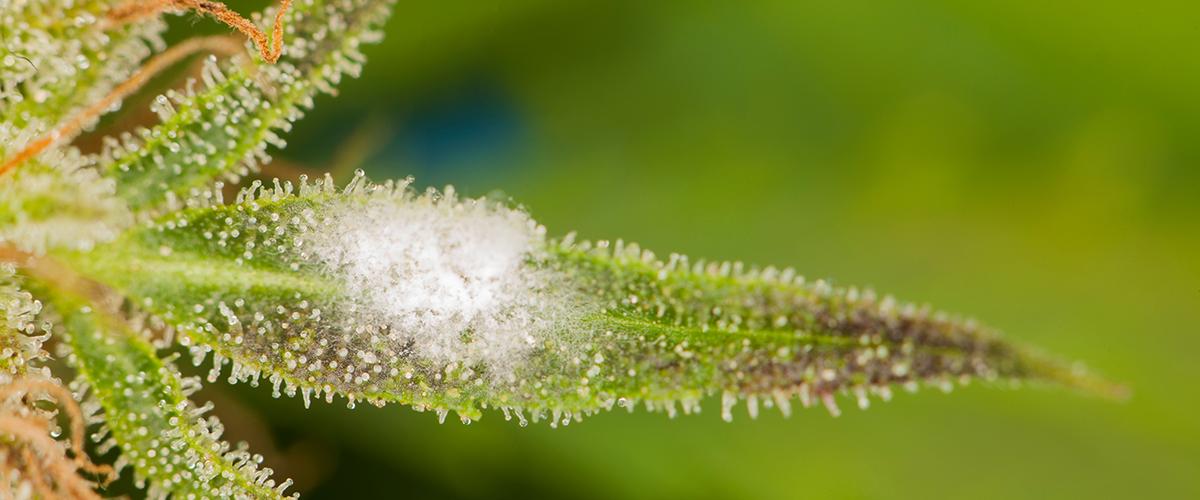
point(55, 201)
point(60, 56)
point(379, 294)
point(20, 341)
point(224, 129)
point(173, 448)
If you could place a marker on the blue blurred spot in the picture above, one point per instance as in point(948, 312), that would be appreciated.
point(474, 125)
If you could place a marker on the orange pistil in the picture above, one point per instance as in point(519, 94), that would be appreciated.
point(138, 9)
point(40, 454)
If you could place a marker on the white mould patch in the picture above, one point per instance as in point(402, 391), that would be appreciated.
point(451, 280)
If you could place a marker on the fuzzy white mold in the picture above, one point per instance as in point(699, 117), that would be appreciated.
point(452, 279)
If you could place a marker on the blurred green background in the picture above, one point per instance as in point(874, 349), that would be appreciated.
point(1034, 164)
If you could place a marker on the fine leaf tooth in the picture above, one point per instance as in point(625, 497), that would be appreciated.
point(728, 400)
point(860, 395)
point(830, 403)
point(783, 402)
